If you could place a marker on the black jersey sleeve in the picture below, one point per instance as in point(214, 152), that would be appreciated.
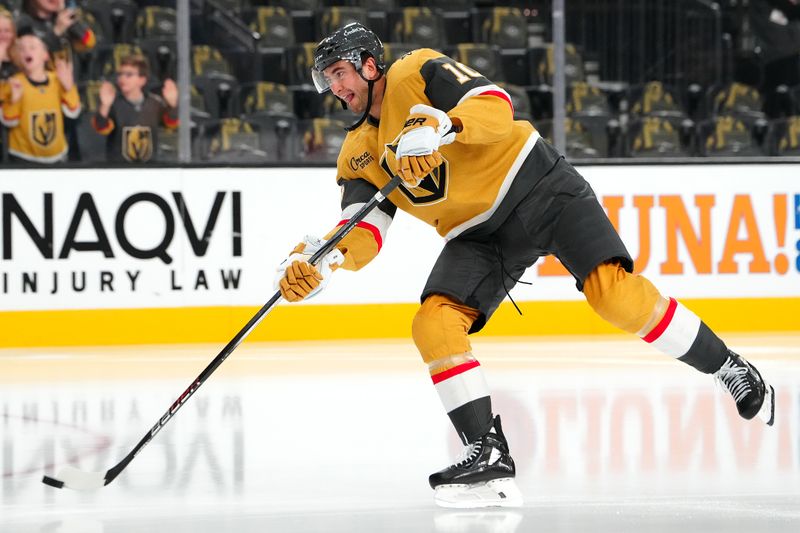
point(359, 191)
point(447, 81)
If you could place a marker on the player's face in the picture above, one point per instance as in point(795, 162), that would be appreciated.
point(348, 85)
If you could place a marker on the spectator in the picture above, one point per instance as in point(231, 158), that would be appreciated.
point(7, 35)
point(61, 27)
point(35, 102)
point(776, 27)
point(131, 118)
point(63, 30)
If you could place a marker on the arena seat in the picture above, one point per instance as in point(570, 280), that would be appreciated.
point(520, 100)
point(105, 59)
point(394, 51)
point(212, 75)
point(117, 18)
point(484, 58)
point(420, 25)
point(335, 17)
point(502, 26)
point(649, 137)
point(736, 99)
point(230, 140)
point(322, 139)
point(273, 23)
point(582, 141)
point(162, 55)
point(156, 21)
point(784, 138)
point(732, 136)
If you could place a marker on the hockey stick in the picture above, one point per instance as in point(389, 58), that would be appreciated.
point(73, 478)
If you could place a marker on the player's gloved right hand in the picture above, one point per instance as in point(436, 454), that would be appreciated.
point(297, 279)
point(425, 130)
point(413, 168)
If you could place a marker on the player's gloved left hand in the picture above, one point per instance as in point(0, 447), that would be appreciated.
point(426, 129)
point(297, 279)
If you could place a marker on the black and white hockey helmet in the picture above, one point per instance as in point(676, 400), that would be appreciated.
point(348, 43)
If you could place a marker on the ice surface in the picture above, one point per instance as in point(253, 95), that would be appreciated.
point(340, 437)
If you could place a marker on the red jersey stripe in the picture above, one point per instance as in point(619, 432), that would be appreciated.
point(88, 39)
point(663, 323)
point(502, 95)
point(456, 370)
point(102, 131)
point(367, 226)
point(170, 123)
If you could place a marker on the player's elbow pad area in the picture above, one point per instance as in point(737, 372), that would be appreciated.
point(359, 248)
point(440, 327)
point(622, 299)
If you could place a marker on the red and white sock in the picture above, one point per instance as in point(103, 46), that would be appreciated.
point(681, 334)
point(465, 396)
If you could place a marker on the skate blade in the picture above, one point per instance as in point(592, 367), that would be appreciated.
point(767, 411)
point(495, 493)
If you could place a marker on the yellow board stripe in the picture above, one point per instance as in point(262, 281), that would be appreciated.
point(318, 322)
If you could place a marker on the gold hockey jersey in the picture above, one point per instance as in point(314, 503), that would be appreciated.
point(475, 183)
point(36, 121)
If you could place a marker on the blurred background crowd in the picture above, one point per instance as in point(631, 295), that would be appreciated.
point(92, 82)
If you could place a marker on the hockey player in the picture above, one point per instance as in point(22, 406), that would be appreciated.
point(502, 197)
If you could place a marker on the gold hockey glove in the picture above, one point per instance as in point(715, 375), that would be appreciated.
point(297, 279)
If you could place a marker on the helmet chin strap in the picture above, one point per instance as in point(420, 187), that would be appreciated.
point(370, 85)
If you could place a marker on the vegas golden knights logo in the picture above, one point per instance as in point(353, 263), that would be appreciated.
point(137, 144)
point(43, 127)
point(432, 189)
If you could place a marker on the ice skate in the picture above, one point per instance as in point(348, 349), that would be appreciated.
point(482, 477)
point(753, 396)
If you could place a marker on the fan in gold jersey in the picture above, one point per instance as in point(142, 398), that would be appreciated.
point(35, 102)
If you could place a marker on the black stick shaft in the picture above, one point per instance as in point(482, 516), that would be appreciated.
point(245, 331)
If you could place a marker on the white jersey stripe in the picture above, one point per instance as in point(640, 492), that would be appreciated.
point(462, 388)
point(70, 113)
point(501, 194)
point(376, 218)
point(482, 89)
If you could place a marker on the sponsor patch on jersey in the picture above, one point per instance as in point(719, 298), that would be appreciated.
point(361, 161)
point(137, 143)
point(43, 127)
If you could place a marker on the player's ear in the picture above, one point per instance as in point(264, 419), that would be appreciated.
point(370, 68)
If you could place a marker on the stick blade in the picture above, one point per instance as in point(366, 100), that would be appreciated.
point(72, 478)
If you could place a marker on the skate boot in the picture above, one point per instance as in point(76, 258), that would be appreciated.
point(752, 395)
point(483, 476)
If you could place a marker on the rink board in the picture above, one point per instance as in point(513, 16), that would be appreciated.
point(122, 256)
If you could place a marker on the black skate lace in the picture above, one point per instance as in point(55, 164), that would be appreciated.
point(734, 378)
point(504, 273)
